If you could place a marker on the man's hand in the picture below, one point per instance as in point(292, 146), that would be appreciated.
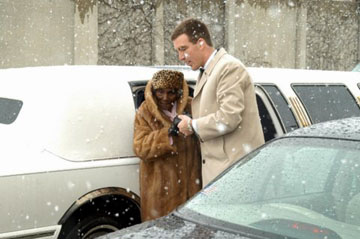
point(185, 126)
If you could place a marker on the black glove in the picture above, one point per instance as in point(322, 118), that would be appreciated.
point(174, 130)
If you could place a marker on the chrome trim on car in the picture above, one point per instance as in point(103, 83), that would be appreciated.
point(299, 112)
point(41, 233)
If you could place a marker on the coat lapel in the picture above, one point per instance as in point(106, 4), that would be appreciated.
point(199, 84)
point(202, 80)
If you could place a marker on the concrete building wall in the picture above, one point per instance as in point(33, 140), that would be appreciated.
point(295, 34)
point(333, 35)
point(46, 32)
point(126, 32)
point(265, 36)
point(85, 38)
point(138, 32)
point(271, 33)
point(36, 33)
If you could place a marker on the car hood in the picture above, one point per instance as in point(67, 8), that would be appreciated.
point(263, 221)
point(170, 227)
point(273, 216)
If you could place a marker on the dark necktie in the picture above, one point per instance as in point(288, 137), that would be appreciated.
point(201, 71)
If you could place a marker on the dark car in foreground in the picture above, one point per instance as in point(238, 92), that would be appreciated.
point(305, 184)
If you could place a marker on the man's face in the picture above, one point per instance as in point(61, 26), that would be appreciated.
point(188, 52)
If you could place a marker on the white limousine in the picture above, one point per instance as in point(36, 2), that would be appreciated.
point(68, 168)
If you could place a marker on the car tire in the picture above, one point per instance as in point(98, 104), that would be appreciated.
point(98, 216)
point(95, 226)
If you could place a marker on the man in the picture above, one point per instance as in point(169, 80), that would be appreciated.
point(224, 108)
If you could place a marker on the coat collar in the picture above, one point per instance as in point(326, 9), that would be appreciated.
point(156, 111)
point(202, 80)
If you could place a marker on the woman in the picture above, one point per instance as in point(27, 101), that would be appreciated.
point(170, 163)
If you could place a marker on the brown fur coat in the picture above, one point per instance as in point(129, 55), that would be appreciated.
point(169, 174)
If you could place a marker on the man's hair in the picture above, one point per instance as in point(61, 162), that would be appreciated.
point(194, 29)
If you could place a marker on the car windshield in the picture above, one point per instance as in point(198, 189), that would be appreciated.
point(295, 187)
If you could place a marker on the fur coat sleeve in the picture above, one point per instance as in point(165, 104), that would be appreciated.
point(151, 140)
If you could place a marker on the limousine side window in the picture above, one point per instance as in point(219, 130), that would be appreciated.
point(281, 105)
point(267, 122)
point(325, 102)
point(9, 110)
point(139, 97)
point(138, 89)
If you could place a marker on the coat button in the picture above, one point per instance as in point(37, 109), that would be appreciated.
point(203, 161)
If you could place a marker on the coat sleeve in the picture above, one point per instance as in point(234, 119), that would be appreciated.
point(150, 144)
point(230, 99)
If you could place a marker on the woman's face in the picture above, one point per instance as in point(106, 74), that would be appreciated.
point(166, 98)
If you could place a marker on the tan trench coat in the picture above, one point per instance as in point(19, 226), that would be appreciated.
point(225, 107)
point(169, 174)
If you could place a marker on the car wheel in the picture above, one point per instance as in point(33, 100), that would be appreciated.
point(98, 216)
point(93, 227)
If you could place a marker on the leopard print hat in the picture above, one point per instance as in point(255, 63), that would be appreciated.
point(167, 79)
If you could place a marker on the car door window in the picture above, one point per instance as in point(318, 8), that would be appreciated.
point(9, 110)
point(138, 90)
point(266, 120)
point(139, 97)
point(327, 102)
point(282, 107)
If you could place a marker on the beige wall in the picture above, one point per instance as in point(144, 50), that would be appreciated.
point(263, 36)
point(307, 34)
point(44, 32)
point(269, 33)
point(86, 38)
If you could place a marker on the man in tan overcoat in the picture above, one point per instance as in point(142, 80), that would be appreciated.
point(224, 109)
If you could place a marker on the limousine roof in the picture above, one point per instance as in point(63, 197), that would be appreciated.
point(139, 73)
point(271, 75)
point(128, 73)
point(268, 75)
point(286, 79)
